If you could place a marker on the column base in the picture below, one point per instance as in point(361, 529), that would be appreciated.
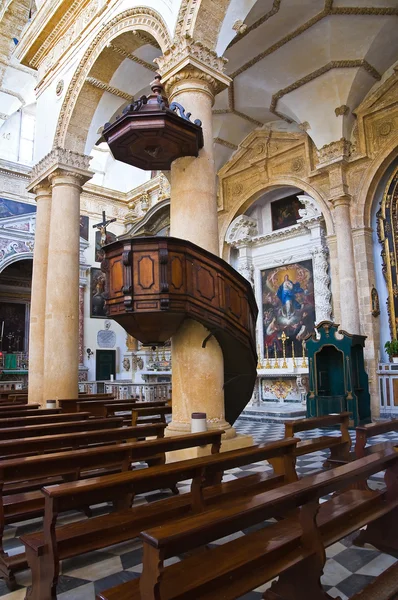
point(235, 443)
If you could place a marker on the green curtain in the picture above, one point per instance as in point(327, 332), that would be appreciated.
point(11, 361)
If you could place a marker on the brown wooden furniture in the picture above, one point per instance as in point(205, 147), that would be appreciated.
point(65, 427)
point(364, 432)
point(154, 283)
point(38, 419)
point(70, 404)
point(384, 587)
point(114, 407)
point(18, 407)
point(45, 550)
point(105, 408)
point(339, 445)
point(14, 412)
point(83, 439)
point(141, 415)
point(293, 548)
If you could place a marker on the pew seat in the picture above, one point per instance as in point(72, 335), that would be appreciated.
point(292, 548)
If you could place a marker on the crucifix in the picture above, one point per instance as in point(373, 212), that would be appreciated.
point(102, 227)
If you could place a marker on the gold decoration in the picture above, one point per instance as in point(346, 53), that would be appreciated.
point(259, 365)
point(276, 363)
point(284, 338)
point(293, 356)
point(267, 363)
point(304, 364)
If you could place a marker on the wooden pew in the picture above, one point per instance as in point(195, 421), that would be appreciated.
point(5, 414)
point(70, 404)
point(45, 549)
point(364, 432)
point(10, 400)
point(38, 419)
point(292, 548)
point(28, 501)
point(64, 427)
point(159, 413)
point(83, 439)
point(339, 446)
point(18, 407)
point(104, 408)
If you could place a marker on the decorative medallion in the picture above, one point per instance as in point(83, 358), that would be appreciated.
point(387, 230)
point(385, 129)
point(60, 87)
point(297, 165)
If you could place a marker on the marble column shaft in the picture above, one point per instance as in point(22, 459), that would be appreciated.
point(62, 302)
point(38, 301)
point(349, 306)
point(198, 373)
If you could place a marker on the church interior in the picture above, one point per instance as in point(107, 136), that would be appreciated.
point(198, 299)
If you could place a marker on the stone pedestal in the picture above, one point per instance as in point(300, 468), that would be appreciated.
point(38, 302)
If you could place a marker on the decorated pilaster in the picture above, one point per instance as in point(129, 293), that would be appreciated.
point(334, 158)
point(83, 370)
point(67, 172)
point(322, 293)
point(192, 75)
point(41, 187)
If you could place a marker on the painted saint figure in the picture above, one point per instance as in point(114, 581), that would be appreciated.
point(287, 295)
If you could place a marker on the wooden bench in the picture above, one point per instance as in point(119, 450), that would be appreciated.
point(139, 414)
point(292, 548)
point(364, 432)
point(38, 419)
point(15, 406)
point(104, 408)
point(13, 412)
point(339, 446)
point(83, 439)
point(25, 476)
point(70, 404)
point(45, 549)
point(48, 429)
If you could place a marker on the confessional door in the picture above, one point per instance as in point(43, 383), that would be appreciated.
point(105, 364)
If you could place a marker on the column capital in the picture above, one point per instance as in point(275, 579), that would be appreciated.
point(191, 64)
point(60, 160)
point(343, 200)
point(42, 190)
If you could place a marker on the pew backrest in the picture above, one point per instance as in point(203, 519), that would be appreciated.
point(364, 432)
point(64, 427)
point(41, 419)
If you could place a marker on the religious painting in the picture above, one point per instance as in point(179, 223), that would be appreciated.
point(285, 212)
point(288, 306)
point(99, 253)
point(12, 326)
point(84, 227)
point(10, 208)
point(97, 289)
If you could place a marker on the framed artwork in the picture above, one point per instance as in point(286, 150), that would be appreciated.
point(288, 305)
point(285, 212)
point(99, 254)
point(84, 227)
point(97, 289)
point(10, 208)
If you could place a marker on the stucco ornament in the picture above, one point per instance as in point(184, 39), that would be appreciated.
point(311, 209)
point(322, 293)
point(242, 229)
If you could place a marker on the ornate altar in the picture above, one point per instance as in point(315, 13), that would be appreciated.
point(337, 377)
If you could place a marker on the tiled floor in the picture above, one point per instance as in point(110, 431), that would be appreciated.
point(348, 569)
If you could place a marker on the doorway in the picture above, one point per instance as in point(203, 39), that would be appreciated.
point(105, 364)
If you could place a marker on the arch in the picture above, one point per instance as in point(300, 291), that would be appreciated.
point(202, 20)
point(13, 258)
point(258, 190)
point(371, 181)
point(139, 18)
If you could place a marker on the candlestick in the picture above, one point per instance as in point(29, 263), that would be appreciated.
point(267, 364)
point(284, 337)
point(259, 365)
point(293, 356)
point(276, 364)
point(304, 364)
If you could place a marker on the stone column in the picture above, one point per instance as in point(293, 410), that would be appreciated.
point(68, 172)
point(38, 301)
point(322, 293)
point(198, 373)
point(349, 307)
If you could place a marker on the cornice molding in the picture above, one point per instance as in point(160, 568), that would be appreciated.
point(225, 143)
point(101, 85)
point(57, 161)
point(125, 54)
point(274, 10)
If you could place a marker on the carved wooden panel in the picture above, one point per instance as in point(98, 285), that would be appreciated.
point(167, 280)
